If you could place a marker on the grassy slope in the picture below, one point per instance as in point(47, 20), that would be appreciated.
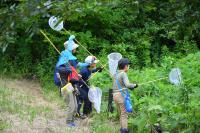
point(24, 108)
point(160, 97)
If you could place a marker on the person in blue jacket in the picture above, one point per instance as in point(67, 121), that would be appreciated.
point(64, 68)
point(66, 59)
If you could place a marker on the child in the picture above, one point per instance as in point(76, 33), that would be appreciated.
point(65, 69)
point(122, 77)
point(66, 61)
point(83, 89)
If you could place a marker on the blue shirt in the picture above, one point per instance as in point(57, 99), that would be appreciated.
point(65, 56)
point(86, 73)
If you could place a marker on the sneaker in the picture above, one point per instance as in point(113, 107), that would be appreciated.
point(123, 130)
point(71, 124)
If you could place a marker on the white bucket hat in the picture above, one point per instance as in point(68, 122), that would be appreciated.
point(91, 60)
point(74, 46)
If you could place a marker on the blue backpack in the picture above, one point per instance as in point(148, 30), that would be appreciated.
point(127, 98)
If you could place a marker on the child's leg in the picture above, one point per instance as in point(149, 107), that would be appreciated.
point(87, 108)
point(71, 107)
point(119, 100)
point(123, 116)
point(79, 103)
point(83, 96)
point(79, 99)
point(75, 105)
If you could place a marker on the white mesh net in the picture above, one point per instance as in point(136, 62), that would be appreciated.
point(175, 76)
point(113, 59)
point(94, 96)
point(55, 24)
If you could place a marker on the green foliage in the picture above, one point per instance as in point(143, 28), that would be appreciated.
point(158, 104)
point(144, 31)
point(150, 33)
point(171, 107)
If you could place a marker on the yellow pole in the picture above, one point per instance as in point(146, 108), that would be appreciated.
point(152, 81)
point(49, 41)
point(86, 49)
point(59, 52)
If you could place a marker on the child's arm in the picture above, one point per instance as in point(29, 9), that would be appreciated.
point(127, 83)
point(80, 64)
point(98, 69)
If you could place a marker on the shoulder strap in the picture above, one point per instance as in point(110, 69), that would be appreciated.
point(119, 86)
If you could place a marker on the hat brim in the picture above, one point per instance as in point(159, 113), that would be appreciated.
point(96, 61)
point(75, 46)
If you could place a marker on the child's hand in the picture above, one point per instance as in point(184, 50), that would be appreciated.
point(136, 85)
point(99, 69)
point(80, 76)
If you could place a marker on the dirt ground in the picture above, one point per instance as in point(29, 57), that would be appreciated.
point(40, 124)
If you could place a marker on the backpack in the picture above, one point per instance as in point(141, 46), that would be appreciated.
point(73, 75)
point(57, 81)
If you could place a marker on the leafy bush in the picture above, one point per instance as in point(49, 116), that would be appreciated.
point(159, 104)
point(173, 108)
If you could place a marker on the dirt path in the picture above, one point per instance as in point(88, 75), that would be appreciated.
point(40, 124)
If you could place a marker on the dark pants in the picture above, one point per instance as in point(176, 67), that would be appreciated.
point(82, 99)
point(87, 108)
